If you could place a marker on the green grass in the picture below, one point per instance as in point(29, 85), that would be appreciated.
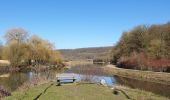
point(68, 92)
point(137, 94)
point(81, 92)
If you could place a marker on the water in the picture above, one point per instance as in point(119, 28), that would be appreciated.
point(90, 73)
point(95, 79)
point(153, 87)
point(16, 79)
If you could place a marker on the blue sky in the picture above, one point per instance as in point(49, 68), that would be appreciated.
point(81, 23)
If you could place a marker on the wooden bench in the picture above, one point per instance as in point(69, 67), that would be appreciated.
point(65, 78)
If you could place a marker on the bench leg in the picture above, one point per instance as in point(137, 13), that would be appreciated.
point(58, 83)
point(74, 80)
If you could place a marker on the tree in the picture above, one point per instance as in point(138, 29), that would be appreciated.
point(15, 39)
point(16, 34)
point(21, 49)
point(147, 43)
point(1, 50)
point(42, 51)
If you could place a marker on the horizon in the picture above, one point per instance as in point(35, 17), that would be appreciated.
point(86, 48)
point(81, 24)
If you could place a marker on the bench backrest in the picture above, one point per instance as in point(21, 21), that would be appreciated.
point(65, 77)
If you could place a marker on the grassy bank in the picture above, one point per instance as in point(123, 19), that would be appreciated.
point(67, 92)
point(136, 94)
point(81, 92)
point(78, 62)
point(158, 77)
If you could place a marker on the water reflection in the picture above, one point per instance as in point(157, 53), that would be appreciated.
point(13, 81)
point(95, 79)
point(157, 88)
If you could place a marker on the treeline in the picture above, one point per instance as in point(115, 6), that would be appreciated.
point(145, 48)
point(86, 53)
point(21, 49)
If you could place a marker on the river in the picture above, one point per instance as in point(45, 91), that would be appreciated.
point(92, 73)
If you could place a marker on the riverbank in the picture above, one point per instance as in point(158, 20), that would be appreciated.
point(82, 92)
point(158, 77)
point(36, 68)
point(78, 62)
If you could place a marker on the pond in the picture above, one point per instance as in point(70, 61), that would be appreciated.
point(92, 73)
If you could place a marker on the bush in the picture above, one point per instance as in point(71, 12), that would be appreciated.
point(142, 62)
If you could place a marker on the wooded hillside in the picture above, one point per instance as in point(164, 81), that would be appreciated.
point(86, 53)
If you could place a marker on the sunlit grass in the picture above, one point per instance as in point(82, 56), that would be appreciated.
point(82, 92)
point(68, 92)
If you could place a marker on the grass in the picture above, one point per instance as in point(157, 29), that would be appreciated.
point(81, 92)
point(68, 92)
point(136, 94)
point(158, 77)
point(78, 62)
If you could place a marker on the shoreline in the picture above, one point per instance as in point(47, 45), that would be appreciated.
point(157, 77)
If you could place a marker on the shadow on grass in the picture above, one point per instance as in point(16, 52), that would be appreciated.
point(124, 93)
point(38, 96)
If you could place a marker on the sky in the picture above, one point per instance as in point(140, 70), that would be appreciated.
point(70, 24)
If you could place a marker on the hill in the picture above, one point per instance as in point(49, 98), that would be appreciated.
point(86, 53)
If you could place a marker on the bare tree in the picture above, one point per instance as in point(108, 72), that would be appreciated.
point(16, 34)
